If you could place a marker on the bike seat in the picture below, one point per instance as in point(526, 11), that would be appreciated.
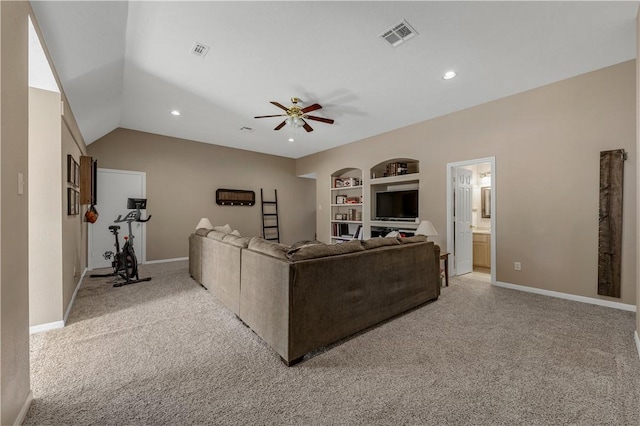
point(114, 227)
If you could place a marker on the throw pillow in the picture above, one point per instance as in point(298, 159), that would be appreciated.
point(236, 233)
point(380, 242)
point(226, 228)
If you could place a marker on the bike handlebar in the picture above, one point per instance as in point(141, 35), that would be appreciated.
point(132, 216)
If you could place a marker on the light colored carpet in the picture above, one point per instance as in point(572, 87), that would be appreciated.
point(167, 352)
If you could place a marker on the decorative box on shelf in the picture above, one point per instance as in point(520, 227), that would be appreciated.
point(346, 182)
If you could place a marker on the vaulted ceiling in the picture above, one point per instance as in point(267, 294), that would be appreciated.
point(129, 64)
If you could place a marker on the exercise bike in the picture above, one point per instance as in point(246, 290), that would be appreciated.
point(124, 262)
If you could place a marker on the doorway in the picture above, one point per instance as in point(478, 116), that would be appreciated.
point(471, 215)
point(113, 189)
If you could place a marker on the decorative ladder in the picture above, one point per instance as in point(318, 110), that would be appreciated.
point(270, 229)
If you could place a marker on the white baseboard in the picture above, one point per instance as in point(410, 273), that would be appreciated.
point(637, 342)
point(46, 327)
point(575, 298)
point(59, 324)
point(73, 298)
point(23, 411)
point(177, 259)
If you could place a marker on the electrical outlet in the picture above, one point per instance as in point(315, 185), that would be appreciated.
point(74, 271)
point(517, 266)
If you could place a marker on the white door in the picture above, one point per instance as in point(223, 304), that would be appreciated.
point(113, 189)
point(463, 243)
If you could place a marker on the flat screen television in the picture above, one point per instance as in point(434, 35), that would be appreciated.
point(397, 205)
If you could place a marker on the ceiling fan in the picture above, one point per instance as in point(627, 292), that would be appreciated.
point(297, 115)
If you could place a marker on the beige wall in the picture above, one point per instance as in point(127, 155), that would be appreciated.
point(638, 176)
point(14, 268)
point(45, 208)
point(546, 143)
point(182, 178)
point(74, 229)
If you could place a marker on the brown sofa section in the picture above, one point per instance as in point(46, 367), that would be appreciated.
point(299, 306)
point(304, 297)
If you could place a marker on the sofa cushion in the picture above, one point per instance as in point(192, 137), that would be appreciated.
point(268, 247)
point(414, 239)
point(301, 243)
point(203, 232)
point(380, 242)
point(312, 251)
point(242, 242)
point(226, 228)
point(216, 235)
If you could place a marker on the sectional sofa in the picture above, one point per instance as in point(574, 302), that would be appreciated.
point(307, 296)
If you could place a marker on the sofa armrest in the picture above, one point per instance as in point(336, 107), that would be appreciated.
point(264, 299)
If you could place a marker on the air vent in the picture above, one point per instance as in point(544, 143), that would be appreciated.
point(399, 33)
point(199, 49)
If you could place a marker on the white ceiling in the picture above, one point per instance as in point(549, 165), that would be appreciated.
point(128, 64)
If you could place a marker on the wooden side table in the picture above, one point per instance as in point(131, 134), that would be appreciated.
point(445, 257)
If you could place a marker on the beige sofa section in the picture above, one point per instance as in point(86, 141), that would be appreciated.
point(300, 306)
point(300, 299)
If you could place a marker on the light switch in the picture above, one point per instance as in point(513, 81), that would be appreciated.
point(20, 184)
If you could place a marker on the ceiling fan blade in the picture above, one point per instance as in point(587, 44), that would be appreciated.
point(267, 116)
point(324, 120)
point(281, 125)
point(311, 108)
point(307, 127)
point(280, 106)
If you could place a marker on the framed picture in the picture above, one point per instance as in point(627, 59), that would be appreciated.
point(76, 180)
point(341, 199)
point(76, 196)
point(71, 169)
point(71, 203)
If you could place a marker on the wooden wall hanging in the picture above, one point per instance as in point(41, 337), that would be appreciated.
point(235, 197)
point(610, 222)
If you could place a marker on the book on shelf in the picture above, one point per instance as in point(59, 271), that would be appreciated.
point(358, 234)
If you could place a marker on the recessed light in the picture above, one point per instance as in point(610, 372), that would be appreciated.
point(292, 140)
point(175, 112)
point(449, 75)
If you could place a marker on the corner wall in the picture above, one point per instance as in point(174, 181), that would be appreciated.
point(182, 178)
point(546, 143)
point(638, 180)
point(14, 253)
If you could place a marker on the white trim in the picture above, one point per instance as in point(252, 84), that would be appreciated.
point(73, 297)
point(177, 259)
point(637, 342)
point(573, 297)
point(46, 327)
point(450, 167)
point(23, 411)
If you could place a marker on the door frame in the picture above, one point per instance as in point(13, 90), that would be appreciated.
point(450, 236)
point(142, 259)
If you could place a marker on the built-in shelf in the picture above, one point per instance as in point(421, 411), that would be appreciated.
point(346, 188)
point(408, 178)
point(347, 221)
point(346, 204)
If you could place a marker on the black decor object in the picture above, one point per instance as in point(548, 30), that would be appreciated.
point(235, 197)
